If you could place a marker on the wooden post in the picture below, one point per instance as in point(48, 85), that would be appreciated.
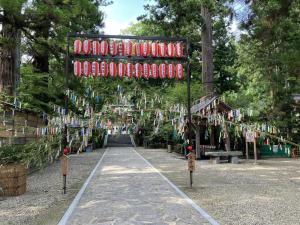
point(198, 153)
point(227, 138)
point(255, 151)
point(207, 52)
point(247, 151)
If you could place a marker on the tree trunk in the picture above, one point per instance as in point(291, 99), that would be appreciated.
point(207, 52)
point(9, 57)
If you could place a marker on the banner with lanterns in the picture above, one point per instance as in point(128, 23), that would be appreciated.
point(129, 51)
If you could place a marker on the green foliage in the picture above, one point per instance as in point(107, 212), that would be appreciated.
point(34, 155)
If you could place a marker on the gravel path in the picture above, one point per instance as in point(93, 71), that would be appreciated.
point(44, 203)
point(238, 194)
point(125, 190)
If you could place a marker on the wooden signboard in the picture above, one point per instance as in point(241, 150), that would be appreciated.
point(64, 161)
point(250, 136)
point(191, 161)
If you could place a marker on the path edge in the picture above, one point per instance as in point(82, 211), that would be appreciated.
point(78, 196)
point(181, 193)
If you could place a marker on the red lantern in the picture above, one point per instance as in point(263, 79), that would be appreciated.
point(137, 49)
point(162, 50)
point(179, 49)
point(138, 70)
point(86, 68)
point(113, 48)
point(103, 47)
point(121, 70)
point(145, 49)
point(146, 70)
point(129, 70)
point(154, 71)
point(95, 47)
point(95, 69)
point(171, 71)
point(66, 150)
point(77, 46)
point(189, 148)
point(121, 49)
point(86, 47)
point(171, 51)
point(128, 48)
point(154, 49)
point(77, 68)
point(179, 71)
point(162, 71)
point(103, 69)
point(112, 69)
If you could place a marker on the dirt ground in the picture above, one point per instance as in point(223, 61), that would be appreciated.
point(44, 202)
point(235, 194)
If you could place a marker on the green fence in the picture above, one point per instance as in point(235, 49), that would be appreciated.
point(275, 151)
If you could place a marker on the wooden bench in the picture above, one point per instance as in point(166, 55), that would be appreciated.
point(233, 156)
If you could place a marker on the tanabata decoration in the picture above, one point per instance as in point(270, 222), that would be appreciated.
point(171, 51)
point(103, 69)
point(146, 70)
point(103, 47)
point(86, 47)
point(179, 71)
point(162, 50)
point(162, 71)
point(77, 68)
point(121, 49)
point(129, 70)
point(86, 68)
point(95, 48)
point(113, 50)
point(128, 48)
point(95, 69)
point(154, 71)
point(154, 49)
point(121, 70)
point(171, 71)
point(112, 69)
point(138, 71)
point(77, 46)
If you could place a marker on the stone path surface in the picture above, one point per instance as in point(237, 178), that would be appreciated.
point(125, 189)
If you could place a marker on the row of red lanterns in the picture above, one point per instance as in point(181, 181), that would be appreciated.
point(121, 48)
point(129, 70)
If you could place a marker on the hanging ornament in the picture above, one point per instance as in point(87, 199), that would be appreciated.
point(128, 48)
point(179, 71)
point(171, 71)
point(162, 50)
point(145, 49)
point(86, 47)
point(86, 68)
point(121, 70)
point(77, 68)
point(171, 50)
point(95, 69)
point(113, 48)
point(112, 69)
point(121, 49)
point(77, 46)
point(154, 49)
point(137, 49)
point(129, 70)
point(162, 71)
point(95, 48)
point(103, 47)
point(154, 71)
point(146, 70)
point(179, 49)
point(138, 70)
point(103, 69)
